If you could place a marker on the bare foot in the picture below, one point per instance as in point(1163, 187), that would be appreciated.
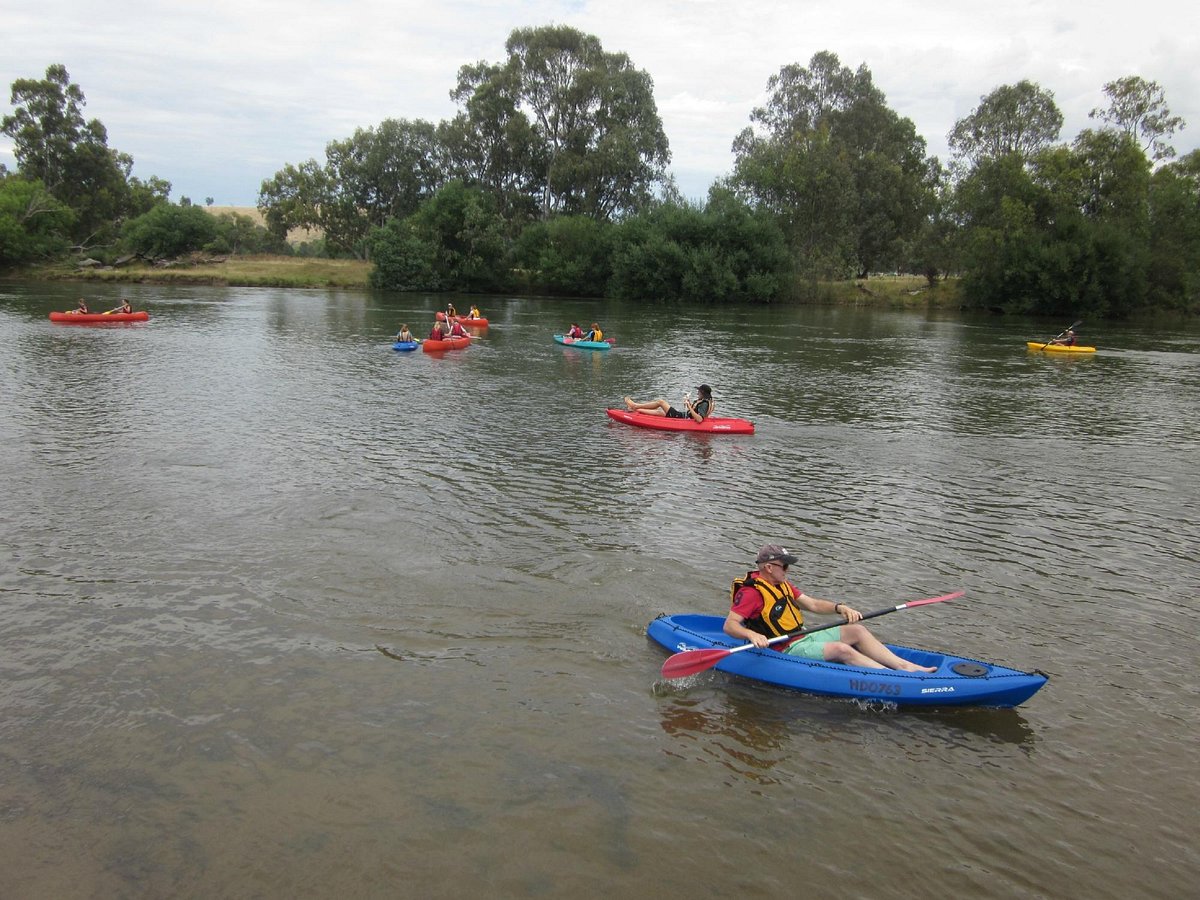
point(913, 667)
point(629, 402)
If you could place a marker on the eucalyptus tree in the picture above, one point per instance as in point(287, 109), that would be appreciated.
point(1175, 234)
point(846, 175)
point(491, 143)
point(591, 142)
point(1138, 108)
point(1018, 119)
point(54, 144)
point(369, 178)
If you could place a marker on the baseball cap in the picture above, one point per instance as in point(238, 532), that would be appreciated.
point(772, 552)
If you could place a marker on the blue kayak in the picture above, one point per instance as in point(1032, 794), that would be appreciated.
point(586, 345)
point(405, 346)
point(958, 681)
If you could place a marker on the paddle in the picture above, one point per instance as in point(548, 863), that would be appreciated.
point(1060, 334)
point(689, 662)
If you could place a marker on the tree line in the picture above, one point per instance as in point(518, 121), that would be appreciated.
point(552, 177)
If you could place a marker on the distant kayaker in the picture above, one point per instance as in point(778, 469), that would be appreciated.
point(123, 308)
point(765, 605)
point(1067, 340)
point(575, 332)
point(595, 334)
point(82, 307)
point(405, 335)
point(457, 330)
point(698, 411)
point(451, 312)
point(474, 313)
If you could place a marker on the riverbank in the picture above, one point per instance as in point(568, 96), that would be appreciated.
point(892, 291)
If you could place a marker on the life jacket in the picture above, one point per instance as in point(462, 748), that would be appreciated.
point(436, 335)
point(596, 335)
point(703, 407)
point(779, 614)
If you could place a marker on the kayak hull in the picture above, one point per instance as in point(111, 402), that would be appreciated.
point(582, 344)
point(711, 425)
point(74, 318)
point(480, 322)
point(405, 346)
point(1059, 348)
point(988, 684)
point(432, 346)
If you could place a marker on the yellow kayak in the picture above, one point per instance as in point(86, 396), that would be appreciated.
point(1059, 348)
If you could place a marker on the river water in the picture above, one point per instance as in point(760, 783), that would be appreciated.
point(285, 613)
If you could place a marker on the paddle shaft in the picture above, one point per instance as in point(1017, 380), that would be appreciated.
point(689, 662)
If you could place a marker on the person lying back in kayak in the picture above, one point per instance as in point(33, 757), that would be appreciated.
point(405, 334)
point(575, 332)
point(595, 334)
point(697, 412)
point(765, 605)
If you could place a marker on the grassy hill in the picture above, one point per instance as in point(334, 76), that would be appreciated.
point(295, 236)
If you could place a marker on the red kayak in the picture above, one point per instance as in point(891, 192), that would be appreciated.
point(711, 425)
point(432, 346)
point(481, 322)
point(78, 318)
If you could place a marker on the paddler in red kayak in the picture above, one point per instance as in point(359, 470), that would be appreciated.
point(766, 605)
point(697, 412)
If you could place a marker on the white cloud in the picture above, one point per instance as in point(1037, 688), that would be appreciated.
point(219, 95)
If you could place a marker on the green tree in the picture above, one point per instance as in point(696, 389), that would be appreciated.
point(33, 225)
point(567, 256)
point(53, 144)
point(1018, 119)
point(491, 143)
point(1138, 108)
point(375, 175)
point(1174, 265)
point(593, 142)
point(846, 175)
point(725, 252)
point(169, 230)
point(455, 241)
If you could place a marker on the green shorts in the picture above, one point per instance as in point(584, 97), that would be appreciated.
point(812, 646)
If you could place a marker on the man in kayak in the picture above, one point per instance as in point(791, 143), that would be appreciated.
point(697, 412)
point(1067, 340)
point(765, 605)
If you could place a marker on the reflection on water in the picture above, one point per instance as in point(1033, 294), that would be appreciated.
point(280, 606)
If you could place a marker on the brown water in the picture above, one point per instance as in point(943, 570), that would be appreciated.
point(286, 613)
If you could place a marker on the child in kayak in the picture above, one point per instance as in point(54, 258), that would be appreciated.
point(697, 412)
point(595, 334)
point(405, 335)
point(457, 330)
point(576, 332)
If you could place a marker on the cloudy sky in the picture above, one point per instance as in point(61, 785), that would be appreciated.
point(217, 96)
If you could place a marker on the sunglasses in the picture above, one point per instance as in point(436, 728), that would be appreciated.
point(781, 565)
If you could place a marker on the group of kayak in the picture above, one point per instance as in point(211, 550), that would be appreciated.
point(449, 332)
